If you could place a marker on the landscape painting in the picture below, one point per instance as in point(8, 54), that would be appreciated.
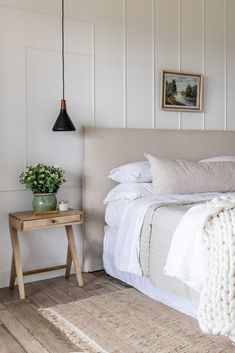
point(181, 91)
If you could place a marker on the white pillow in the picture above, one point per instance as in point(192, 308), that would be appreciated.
point(137, 172)
point(129, 191)
point(219, 159)
point(188, 177)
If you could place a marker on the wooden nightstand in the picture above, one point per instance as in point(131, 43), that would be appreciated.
point(28, 221)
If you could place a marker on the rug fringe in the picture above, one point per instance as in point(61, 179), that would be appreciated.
point(75, 335)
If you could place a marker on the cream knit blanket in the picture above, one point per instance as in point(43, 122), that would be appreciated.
point(216, 313)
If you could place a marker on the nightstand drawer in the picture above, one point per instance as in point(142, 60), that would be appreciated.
point(51, 222)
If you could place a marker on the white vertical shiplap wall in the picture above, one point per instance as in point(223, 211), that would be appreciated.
point(139, 72)
point(215, 61)
point(115, 50)
point(167, 55)
point(191, 49)
point(230, 67)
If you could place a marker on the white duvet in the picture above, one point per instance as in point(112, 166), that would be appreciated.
point(127, 245)
point(187, 257)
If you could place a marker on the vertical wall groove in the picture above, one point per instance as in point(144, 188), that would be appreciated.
point(153, 64)
point(225, 65)
point(203, 56)
point(94, 74)
point(179, 53)
point(125, 62)
point(26, 113)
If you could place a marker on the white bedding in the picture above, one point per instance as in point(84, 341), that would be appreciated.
point(187, 257)
point(114, 212)
point(115, 251)
point(143, 284)
point(127, 244)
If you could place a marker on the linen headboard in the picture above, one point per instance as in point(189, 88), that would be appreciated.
point(106, 148)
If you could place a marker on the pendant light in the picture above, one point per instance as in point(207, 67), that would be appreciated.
point(63, 122)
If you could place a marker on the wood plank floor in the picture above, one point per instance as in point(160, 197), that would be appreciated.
point(24, 330)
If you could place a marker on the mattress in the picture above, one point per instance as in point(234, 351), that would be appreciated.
point(136, 247)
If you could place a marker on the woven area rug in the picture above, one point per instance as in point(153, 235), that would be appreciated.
point(127, 321)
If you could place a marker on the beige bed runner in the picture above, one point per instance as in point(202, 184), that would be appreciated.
point(158, 228)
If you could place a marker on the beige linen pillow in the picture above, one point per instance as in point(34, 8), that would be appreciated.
point(187, 177)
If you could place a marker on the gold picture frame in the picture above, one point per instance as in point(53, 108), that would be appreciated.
point(181, 91)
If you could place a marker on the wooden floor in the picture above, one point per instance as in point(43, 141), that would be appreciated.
point(24, 330)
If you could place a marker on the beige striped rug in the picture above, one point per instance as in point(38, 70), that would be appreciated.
point(127, 321)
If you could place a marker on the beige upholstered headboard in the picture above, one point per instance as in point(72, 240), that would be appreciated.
point(106, 148)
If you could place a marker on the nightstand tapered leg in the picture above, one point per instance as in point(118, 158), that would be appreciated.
point(13, 273)
point(17, 260)
point(73, 251)
point(68, 263)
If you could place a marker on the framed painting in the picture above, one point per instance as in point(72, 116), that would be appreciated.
point(181, 91)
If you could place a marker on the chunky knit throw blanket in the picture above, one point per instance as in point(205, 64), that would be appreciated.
point(216, 313)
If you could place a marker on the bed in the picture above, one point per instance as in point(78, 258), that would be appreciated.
point(105, 149)
point(167, 290)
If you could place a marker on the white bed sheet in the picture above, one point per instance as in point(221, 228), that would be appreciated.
point(143, 284)
point(127, 243)
point(187, 258)
point(114, 212)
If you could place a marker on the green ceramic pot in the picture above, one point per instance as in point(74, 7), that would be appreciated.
point(44, 202)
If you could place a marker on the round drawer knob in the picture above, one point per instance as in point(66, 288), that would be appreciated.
point(53, 221)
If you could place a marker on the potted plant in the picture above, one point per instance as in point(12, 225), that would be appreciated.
point(44, 181)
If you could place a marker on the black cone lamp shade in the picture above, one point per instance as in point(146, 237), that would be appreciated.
point(63, 122)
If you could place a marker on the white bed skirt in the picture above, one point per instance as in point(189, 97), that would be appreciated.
point(143, 284)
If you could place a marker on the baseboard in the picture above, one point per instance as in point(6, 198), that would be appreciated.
point(5, 275)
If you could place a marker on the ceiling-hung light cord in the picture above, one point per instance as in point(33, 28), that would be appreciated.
point(63, 121)
point(63, 48)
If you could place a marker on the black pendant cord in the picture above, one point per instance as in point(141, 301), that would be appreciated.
point(63, 122)
point(63, 47)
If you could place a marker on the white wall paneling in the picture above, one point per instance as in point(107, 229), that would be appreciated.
point(108, 16)
point(42, 110)
point(167, 51)
point(192, 51)
point(230, 64)
point(12, 107)
point(139, 63)
point(31, 90)
point(115, 50)
point(215, 79)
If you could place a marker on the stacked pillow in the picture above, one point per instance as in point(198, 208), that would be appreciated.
point(135, 182)
point(160, 176)
point(137, 172)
